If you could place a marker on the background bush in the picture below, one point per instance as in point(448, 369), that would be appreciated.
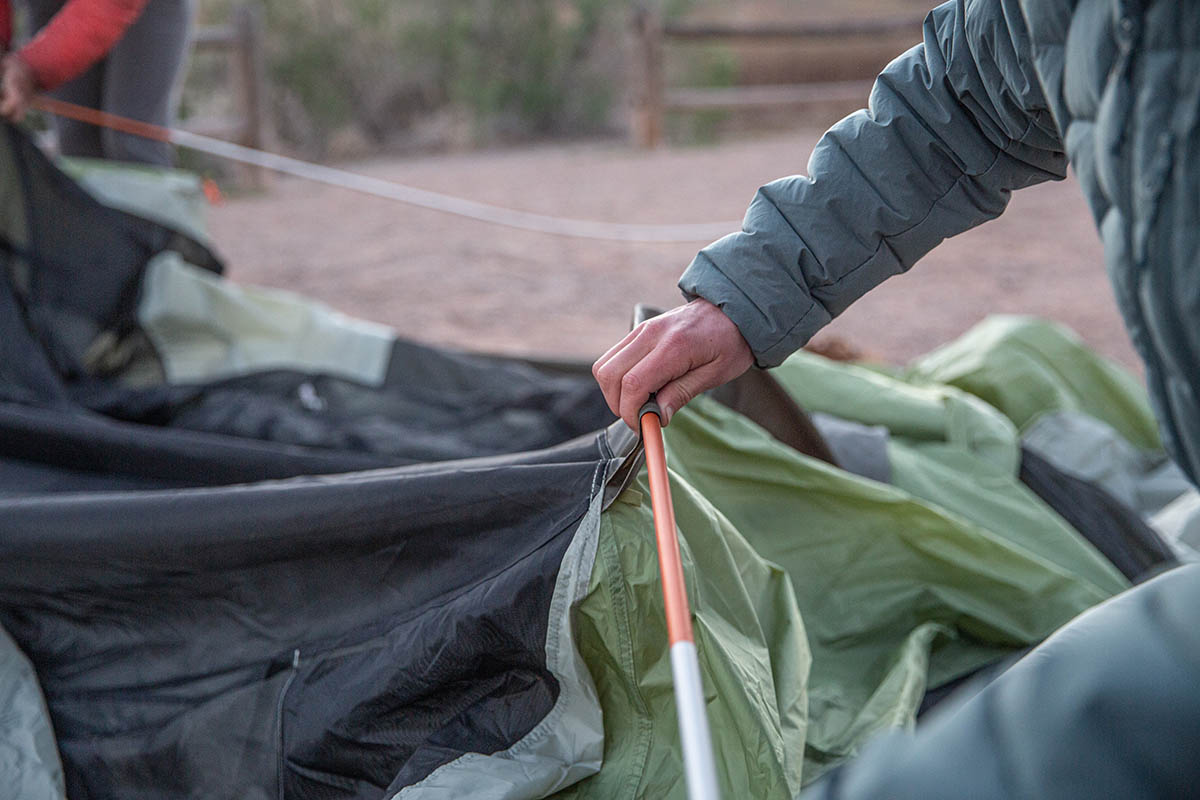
point(391, 72)
point(351, 77)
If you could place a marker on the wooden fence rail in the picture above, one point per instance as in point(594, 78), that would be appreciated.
point(652, 99)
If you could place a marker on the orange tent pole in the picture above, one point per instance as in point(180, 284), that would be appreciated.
point(699, 767)
point(102, 119)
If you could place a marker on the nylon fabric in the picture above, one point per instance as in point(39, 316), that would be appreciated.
point(286, 582)
point(567, 745)
point(228, 588)
point(1083, 446)
point(1113, 527)
point(1025, 367)
point(826, 605)
point(172, 197)
point(878, 573)
point(749, 637)
point(1106, 708)
point(205, 329)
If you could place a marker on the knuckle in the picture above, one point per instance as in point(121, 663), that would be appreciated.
point(657, 328)
point(680, 397)
point(631, 383)
point(675, 343)
point(605, 374)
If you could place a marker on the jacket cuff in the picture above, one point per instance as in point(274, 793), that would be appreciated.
point(775, 325)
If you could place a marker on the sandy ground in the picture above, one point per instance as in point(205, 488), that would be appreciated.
point(452, 281)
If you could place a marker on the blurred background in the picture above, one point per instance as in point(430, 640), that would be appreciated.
point(667, 112)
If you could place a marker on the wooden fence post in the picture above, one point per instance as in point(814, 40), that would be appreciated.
point(247, 63)
point(648, 77)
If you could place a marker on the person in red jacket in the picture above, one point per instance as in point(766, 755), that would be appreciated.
point(121, 56)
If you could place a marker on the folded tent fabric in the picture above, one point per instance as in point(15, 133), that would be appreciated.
point(1112, 527)
point(426, 580)
point(1026, 367)
point(201, 631)
point(1106, 708)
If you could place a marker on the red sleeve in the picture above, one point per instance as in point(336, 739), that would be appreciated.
point(5, 24)
point(79, 35)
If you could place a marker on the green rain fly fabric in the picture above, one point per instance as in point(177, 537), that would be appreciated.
point(1025, 366)
point(825, 604)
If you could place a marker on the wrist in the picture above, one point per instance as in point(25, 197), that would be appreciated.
point(36, 69)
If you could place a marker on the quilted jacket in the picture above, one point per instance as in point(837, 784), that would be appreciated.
point(1001, 94)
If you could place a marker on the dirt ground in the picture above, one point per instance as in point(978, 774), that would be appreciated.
point(451, 281)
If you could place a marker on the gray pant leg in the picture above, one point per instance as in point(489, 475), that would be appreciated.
point(74, 138)
point(142, 78)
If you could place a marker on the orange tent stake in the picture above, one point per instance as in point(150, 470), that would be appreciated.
point(699, 767)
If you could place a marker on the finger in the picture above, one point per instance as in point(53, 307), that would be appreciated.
point(613, 373)
point(681, 391)
point(671, 358)
point(604, 374)
point(10, 102)
point(616, 348)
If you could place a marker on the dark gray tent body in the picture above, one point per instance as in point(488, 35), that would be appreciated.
point(337, 636)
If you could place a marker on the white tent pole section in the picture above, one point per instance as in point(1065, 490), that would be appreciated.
point(699, 769)
point(390, 190)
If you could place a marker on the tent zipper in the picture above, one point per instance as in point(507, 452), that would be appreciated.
point(295, 669)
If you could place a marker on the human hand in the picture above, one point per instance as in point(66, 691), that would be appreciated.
point(678, 354)
point(17, 87)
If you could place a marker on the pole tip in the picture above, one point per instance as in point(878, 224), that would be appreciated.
point(652, 407)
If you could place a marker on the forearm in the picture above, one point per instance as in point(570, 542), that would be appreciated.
point(77, 37)
point(954, 125)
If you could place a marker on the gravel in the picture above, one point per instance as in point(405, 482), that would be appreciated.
point(451, 281)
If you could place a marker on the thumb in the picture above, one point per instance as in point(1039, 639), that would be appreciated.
point(8, 99)
point(681, 391)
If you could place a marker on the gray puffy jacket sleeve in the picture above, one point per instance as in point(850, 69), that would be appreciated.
point(953, 126)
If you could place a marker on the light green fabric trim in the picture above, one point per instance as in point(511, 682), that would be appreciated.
point(172, 197)
point(205, 328)
point(29, 765)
